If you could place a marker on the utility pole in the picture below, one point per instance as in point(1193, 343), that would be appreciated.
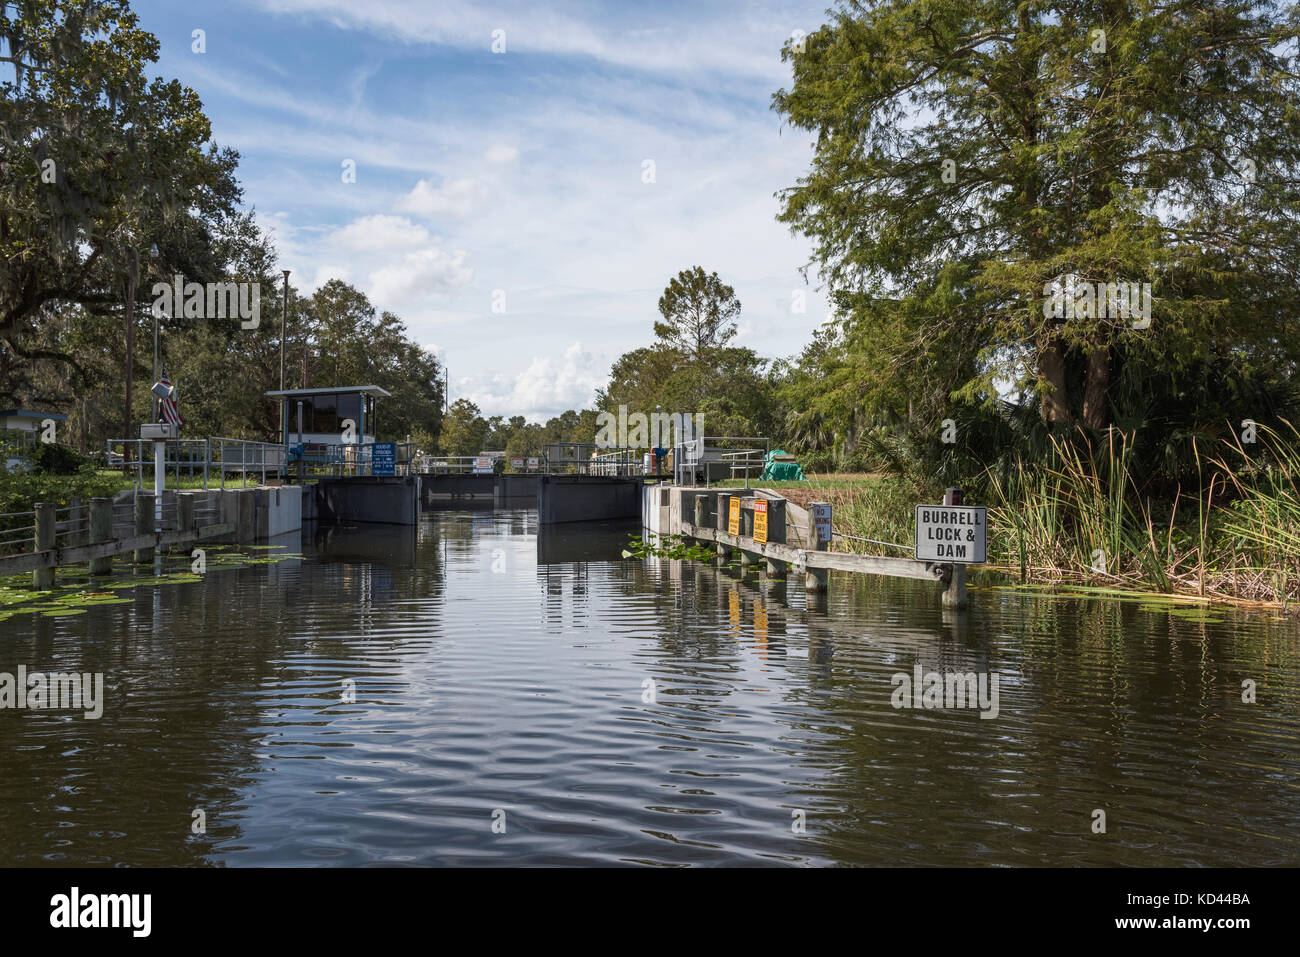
point(130, 362)
point(153, 253)
point(284, 321)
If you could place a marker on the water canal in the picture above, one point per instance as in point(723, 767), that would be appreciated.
point(502, 679)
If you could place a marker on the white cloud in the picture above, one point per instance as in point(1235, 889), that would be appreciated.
point(429, 271)
point(739, 40)
point(546, 387)
point(456, 198)
point(500, 154)
point(378, 233)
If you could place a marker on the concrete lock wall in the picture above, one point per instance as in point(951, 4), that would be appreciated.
point(457, 487)
point(383, 501)
point(515, 486)
point(656, 508)
point(279, 510)
point(584, 498)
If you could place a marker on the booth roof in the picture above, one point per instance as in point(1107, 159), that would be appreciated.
point(328, 390)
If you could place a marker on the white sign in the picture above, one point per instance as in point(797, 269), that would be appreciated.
point(951, 533)
point(532, 463)
point(822, 520)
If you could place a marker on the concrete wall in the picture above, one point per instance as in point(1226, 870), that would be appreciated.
point(279, 511)
point(257, 513)
point(454, 487)
point(585, 498)
point(512, 486)
point(655, 508)
point(384, 501)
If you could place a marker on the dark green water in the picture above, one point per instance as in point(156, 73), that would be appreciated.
point(502, 678)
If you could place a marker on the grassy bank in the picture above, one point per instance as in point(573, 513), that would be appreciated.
point(1085, 521)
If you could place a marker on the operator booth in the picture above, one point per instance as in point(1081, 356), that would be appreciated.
point(328, 424)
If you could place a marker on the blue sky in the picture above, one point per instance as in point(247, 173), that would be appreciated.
point(514, 178)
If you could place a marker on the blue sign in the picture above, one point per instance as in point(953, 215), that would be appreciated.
point(383, 458)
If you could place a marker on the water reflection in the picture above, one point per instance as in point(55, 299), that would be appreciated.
point(379, 699)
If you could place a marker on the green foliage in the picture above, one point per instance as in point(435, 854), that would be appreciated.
point(101, 163)
point(969, 152)
point(667, 546)
point(56, 459)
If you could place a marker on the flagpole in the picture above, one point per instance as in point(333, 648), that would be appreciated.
point(155, 360)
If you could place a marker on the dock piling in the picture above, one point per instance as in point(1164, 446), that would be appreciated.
point(43, 578)
point(724, 510)
point(776, 534)
point(954, 590)
point(101, 531)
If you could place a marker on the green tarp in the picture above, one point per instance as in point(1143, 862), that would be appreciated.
point(775, 471)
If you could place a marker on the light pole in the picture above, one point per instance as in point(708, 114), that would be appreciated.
point(284, 320)
point(153, 254)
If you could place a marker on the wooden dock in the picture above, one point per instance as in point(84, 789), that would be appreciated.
point(731, 529)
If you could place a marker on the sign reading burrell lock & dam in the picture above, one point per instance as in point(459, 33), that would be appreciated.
point(951, 533)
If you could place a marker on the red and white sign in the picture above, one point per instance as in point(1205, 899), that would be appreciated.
point(516, 462)
point(532, 463)
point(821, 513)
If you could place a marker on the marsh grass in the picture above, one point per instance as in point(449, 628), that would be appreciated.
point(1083, 518)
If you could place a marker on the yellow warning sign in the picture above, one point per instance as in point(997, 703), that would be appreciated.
point(733, 518)
point(760, 521)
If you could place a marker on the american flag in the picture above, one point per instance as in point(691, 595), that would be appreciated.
point(167, 407)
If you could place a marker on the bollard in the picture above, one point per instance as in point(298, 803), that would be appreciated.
point(701, 511)
point(101, 531)
point(815, 579)
point(954, 592)
point(43, 578)
point(144, 525)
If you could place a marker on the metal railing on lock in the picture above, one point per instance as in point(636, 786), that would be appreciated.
point(17, 532)
point(347, 459)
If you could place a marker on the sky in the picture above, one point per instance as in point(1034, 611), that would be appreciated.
point(520, 208)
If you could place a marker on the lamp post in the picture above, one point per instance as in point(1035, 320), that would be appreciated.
point(153, 254)
point(284, 321)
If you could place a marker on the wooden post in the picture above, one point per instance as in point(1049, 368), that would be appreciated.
point(43, 578)
point(144, 525)
point(747, 559)
point(101, 530)
point(954, 592)
point(815, 579)
point(724, 510)
point(701, 510)
point(776, 533)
